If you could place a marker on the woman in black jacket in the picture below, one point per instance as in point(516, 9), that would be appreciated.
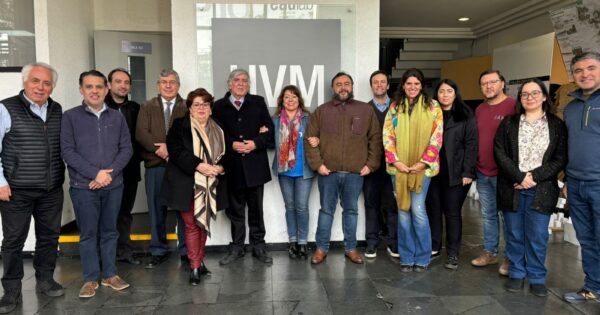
point(449, 188)
point(193, 181)
point(530, 149)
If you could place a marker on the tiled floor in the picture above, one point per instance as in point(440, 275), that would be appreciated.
point(334, 287)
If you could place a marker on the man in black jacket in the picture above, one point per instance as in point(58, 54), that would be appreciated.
point(31, 178)
point(247, 167)
point(119, 83)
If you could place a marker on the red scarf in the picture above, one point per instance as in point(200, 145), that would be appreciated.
point(288, 140)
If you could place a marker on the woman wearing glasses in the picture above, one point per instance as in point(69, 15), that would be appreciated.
point(193, 182)
point(530, 149)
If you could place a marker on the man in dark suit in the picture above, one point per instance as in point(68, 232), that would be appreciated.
point(247, 167)
point(377, 186)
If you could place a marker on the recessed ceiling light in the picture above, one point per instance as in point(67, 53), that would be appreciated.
point(463, 19)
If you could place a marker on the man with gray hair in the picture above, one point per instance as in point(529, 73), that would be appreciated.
point(582, 117)
point(247, 167)
point(31, 178)
point(154, 120)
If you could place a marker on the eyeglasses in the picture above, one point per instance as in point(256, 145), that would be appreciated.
point(163, 82)
point(200, 104)
point(534, 94)
point(492, 82)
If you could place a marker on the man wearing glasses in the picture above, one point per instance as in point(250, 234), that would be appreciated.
point(488, 116)
point(154, 120)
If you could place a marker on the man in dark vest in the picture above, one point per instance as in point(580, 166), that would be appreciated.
point(31, 178)
point(119, 84)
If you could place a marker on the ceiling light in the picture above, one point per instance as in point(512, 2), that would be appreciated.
point(463, 19)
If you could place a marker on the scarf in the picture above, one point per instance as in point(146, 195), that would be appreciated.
point(413, 133)
point(209, 146)
point(288, 140)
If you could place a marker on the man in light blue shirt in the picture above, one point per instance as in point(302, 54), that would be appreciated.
point(31, 178)
point(381, 214)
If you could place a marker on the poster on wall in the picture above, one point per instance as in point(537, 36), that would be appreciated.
point(305, 53)
point(577, 29)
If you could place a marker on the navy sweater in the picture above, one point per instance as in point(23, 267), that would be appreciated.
point(89, 144)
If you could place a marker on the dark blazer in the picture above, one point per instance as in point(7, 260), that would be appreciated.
point(130, 111)
point(177, 190)
point(460, 145)
point(252, 169)
point(506, 153)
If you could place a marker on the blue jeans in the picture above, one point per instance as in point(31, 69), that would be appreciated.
point(527, 240)
point(158, 215)
point(296, 191)
point(414, 235)
point(492, 218)
point(346, 186)
point(97, 209)
point(584, 202)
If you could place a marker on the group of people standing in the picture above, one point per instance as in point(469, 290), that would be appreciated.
point(414, 157)
point(431, 150)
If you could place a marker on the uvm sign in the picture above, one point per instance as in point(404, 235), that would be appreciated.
point(316, 83)
point(276, 53)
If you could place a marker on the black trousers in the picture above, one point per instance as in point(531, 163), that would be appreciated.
point(124, 220)
point(381, 213)
point(46, 209)
point(236, 212)
point(446, 201)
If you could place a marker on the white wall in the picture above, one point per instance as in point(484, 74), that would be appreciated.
point(532, 28)
point(133, 15)
point(11, 84)
point(360, 64)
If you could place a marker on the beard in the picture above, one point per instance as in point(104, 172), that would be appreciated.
point(340, 98)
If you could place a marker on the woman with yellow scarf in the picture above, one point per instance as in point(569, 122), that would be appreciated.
point(412, 138)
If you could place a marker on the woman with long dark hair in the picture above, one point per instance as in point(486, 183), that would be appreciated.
point(530, 149)
point(412, 137)
point(458, 156)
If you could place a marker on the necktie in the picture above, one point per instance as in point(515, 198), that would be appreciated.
point(238, 104)
point(167, 115)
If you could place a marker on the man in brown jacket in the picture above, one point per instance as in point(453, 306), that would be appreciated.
point(155, 117)
point(350, 141)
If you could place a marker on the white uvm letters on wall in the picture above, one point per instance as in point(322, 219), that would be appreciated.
point(296, 78)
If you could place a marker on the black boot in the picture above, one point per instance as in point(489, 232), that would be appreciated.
point(204, 271)
point(293, 250)
point(195, 276)
point(10, 300)
point(303, 251)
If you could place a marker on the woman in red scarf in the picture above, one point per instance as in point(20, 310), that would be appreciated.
point(289, 164)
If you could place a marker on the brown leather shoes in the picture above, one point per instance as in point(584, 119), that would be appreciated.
point(318, 256)
point(354, 256)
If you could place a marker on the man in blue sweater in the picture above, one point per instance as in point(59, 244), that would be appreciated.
point(582, 117)
point(96, 145)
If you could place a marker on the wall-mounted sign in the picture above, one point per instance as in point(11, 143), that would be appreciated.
point(305, 53)
point(136, 47)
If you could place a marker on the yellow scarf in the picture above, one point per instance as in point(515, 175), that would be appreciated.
point(413, 133)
